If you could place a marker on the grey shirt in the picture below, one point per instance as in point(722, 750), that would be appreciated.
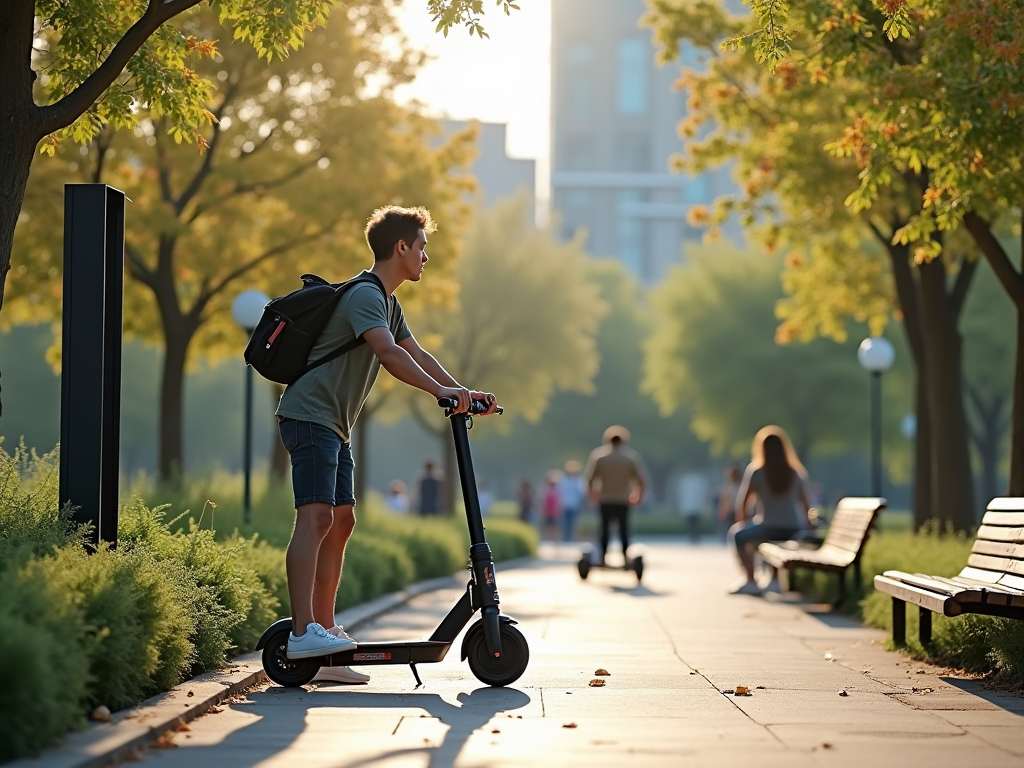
point(334, 393)
point(775, 510)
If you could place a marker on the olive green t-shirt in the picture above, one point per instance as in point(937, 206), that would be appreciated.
point(334, 393)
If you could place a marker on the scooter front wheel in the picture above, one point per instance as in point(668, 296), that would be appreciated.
point(290, 673)
point(515, 655)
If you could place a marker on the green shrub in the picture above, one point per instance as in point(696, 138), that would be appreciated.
point(510, 539)
point(269, 564)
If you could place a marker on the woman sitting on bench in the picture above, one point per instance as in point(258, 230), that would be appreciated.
point(776, 479)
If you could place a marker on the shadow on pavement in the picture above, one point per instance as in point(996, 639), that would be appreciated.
point(286, 720)
point(638, 591)
point(1007, 701)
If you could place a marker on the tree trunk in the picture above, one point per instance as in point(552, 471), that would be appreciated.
point(18, 130)
point(1017, 429)
point(172, 391)
point(952, 488)
point(922, 501)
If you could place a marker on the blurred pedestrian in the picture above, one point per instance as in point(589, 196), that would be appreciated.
point(572, 495)
point(727, 498)
point(524, 497)
point(616, 479)
point(775, 480)
point(693, 500)
point(428, 491)
point(397, 500)
point(484, 496)
point(552, 506)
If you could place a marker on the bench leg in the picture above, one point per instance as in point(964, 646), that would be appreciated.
point(842, 589)
point(924, 627)
point(899, 621)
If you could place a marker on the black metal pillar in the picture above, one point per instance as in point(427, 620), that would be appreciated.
point(90, 412)
point(247, 449)
point(876, 433)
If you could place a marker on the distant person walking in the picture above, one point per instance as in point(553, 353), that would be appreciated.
point(552, 506)
point(428, 491)
point(524, 498)
point(572, 494)
point(776, 480)
point(397, 500)
point(616, 479)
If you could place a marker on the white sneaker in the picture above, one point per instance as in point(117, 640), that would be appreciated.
point(747, 588)
point(339, 631)
point(340, 675)
point(317, 642)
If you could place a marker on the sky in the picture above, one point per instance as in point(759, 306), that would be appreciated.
point(503, 79)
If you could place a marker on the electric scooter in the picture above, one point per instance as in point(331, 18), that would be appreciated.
point(631, 561)
point(497, 652)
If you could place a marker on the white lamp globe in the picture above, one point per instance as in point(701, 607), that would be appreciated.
point(247, 308)
point(876, 354)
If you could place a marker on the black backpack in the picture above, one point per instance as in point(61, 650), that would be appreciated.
point(290, 326)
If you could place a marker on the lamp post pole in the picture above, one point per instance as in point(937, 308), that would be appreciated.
point(246, 310)
point(876, 355)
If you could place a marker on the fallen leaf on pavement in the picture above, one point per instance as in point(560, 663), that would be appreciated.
point(829, 657)
point(190, 694)
point(597, 682)
point(843, 692)
point(760, 687)
point(569, 725)
point(602, 672)
point(101, 713)
point(496, 731)
point(742, 690)
point(214, 711)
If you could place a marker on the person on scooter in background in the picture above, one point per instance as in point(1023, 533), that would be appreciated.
point(616, 478)
point(316, 414)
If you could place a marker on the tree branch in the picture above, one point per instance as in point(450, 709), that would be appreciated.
point(64, 112)
point(993, 250)
point(207, 165)
point(968, 267)
point(254, 186)
point(137, 266)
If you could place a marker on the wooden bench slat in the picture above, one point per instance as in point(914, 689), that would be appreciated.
point(917, 596)
point(845, 543)
point(980, 585)
point(1007, 504)
point(1004, 564)
point(999, 549)
point(852, 517)
point(999, 533)
point(992, 594)
point(1013, 519)
point(1011, 580)
point(924, 581)
point(851, 530)
point(979, 574)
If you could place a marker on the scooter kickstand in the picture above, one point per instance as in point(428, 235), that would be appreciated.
point(419, 683)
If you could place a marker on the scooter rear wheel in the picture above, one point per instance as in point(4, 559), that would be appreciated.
point(583, 566)
point(638, 567)
point(515, 655)
point(290, 673)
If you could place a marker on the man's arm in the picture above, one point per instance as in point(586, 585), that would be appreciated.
point(435, 370)
point(399, 363)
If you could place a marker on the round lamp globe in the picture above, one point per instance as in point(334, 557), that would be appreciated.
point(876, 354)
point(247, 308)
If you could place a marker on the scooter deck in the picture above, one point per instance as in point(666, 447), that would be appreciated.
point(419, 652)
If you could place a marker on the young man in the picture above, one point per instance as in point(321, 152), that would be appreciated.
point(316, 414)
point(617, 479)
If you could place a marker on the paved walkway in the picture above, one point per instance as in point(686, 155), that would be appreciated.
point(672, 646)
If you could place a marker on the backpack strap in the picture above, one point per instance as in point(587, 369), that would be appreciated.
point(359, 340)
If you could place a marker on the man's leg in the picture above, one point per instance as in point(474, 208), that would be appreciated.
point(606, 519)
point(312, 524)
point(624, 528)
point(329, 562)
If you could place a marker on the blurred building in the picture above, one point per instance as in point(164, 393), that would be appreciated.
point(498, 175)
point(614, 115)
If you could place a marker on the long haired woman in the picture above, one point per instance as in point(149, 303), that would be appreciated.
point(775, 481)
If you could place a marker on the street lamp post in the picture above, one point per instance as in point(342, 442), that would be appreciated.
point(876, 356)
point(246, 309)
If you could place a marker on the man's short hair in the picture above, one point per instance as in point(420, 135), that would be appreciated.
point(392, 223)
point(616, 434)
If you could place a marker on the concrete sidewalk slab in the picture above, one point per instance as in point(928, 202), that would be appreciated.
point(672, 647)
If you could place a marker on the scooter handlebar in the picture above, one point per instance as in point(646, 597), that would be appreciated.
point(476, 406)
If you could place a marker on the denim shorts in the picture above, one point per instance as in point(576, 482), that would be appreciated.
point(749, 532)
point(322, 465)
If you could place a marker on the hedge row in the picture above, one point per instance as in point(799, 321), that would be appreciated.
point(116, 626)
point(978, 644)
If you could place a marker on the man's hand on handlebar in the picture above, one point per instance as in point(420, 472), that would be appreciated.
point(486, 397)
point(461, 395)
